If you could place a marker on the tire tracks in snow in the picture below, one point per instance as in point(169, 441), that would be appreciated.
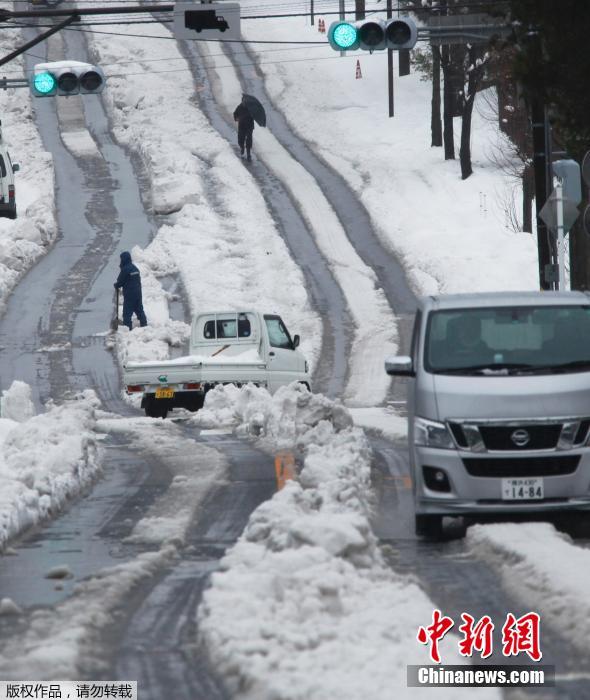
point(369, 318)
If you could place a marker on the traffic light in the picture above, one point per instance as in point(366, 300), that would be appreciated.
point(66, 78)
point(373, 34)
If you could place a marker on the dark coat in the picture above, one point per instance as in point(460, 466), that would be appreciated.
point(129, 279)
point(243, 117)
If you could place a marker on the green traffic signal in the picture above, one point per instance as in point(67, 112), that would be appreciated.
point(66, 78)
point(373, 34)
point(44, 83)
point(343, 36)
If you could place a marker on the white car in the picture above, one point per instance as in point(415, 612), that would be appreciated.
point(7, 189)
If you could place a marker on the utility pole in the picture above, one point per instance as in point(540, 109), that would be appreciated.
point(541, 166)
point(359, 9)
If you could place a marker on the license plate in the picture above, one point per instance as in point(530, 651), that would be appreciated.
point(522, 489)
point(164, 392)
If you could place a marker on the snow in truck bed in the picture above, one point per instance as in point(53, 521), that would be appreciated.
point(248, 357)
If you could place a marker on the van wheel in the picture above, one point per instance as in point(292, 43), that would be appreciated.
point(429, 526)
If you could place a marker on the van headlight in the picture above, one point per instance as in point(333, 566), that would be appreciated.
point(429, 433)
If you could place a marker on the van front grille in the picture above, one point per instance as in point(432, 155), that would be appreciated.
point(521, 466)
point(540, 437)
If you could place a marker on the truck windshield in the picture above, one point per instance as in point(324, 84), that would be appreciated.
point(508, 340)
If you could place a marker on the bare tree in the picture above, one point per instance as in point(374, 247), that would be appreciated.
point(477, 60)
point(435, 120)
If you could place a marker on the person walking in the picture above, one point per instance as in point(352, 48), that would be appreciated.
point(245, 121)
point(129, 280)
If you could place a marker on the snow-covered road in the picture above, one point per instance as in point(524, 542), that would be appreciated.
point(328, 579)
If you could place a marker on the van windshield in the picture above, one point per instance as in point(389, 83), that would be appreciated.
point(508, 340)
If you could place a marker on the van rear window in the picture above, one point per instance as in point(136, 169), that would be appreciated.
point(2, 167)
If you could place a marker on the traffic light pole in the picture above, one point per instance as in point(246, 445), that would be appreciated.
point(83, 11)
point(390, 65)
point(38, 39)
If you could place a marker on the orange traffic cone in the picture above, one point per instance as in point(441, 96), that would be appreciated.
point(358, 69)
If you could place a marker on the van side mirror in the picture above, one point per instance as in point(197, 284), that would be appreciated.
point(296, 341)
point(400, 366)
point(15, 167)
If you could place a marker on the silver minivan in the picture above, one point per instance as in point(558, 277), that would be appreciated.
point(498, 405)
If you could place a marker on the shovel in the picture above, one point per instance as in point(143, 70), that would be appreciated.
point(115, 320)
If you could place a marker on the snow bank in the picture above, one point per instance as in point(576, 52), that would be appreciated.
point(24, 240)
point(16, 403)
point(283, 419)
point(543, 569)
point(44, 459)
point(304, 606)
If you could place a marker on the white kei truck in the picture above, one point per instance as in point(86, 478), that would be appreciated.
point(234, 347)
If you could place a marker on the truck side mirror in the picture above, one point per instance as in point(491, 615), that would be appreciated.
point(400, 366)
point(15, 167)
point(296, 341)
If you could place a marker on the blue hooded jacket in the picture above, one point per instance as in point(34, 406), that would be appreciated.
point(129, 278)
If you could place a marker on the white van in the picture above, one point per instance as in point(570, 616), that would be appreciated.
point(7, 191)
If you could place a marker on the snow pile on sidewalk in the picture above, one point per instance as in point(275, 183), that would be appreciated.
point(541, 568)
point(304, 606)
point(44, 459)
point(24, 240)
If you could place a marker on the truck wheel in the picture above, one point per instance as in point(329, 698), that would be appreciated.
point(429, 526)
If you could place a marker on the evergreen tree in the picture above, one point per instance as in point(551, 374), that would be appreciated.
point(553, 63)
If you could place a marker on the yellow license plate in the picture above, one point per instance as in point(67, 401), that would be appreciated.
point(164, 392)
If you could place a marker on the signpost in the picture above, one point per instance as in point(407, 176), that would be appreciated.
point(560, 211)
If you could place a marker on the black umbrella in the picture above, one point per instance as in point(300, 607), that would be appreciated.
point(255, 108)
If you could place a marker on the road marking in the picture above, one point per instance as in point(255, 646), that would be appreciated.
point(284, 468)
